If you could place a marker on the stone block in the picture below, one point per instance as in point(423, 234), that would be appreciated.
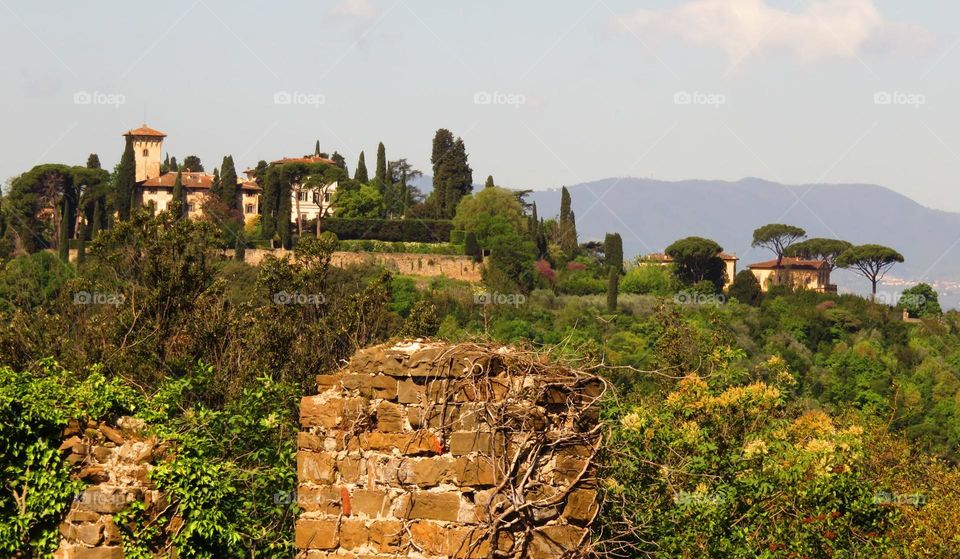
point(316, 467)
point(464, 442)
point(89, 533)
point(467, 543)
point(309, 441)
point(324, 499)
point(326, 382)
point(410, 392)
point(368, 502)
point(353, 533)
point(474, 472)
point(428, 536)
point(391, 418)
point(82, 552)
point(383, 386)
point(387, 535)
point(434, 506)
point(312, 533)
point(550, 542)
point(317, 411)
point(429, 472)
point(581, 506)
point(350, 468)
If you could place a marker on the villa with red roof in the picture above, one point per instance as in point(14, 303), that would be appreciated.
point(729, 263)
point(796, 273)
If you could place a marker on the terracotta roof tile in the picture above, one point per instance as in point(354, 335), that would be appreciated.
point(789, 262)
point(145, 131)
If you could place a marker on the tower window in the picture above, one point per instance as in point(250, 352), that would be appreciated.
point(146, 152)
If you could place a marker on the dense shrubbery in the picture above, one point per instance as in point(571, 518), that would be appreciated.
point(404, 230)
point(414, 248)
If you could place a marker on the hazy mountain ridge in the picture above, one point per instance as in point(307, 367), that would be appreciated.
point(650, 214)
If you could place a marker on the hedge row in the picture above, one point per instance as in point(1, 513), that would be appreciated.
point(365, 245)
point(405, 230)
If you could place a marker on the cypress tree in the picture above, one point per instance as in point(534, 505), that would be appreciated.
point(471, 247)
point(215, 187)
point(404, 193)
point(126, 182)
point(489, 183)
point(192, 163)
point(284, 208)
point(269, 201)
point(93, 162)
point(179, 197)
point(361, 174)
point(381, 175)
point(340, 162)
point(316, 149)
point(567, 225)
point(613, 261)
point(442, 146)
point(173, 164)
point(229, 190)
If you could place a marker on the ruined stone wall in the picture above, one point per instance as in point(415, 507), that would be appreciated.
point(115, 463)
point(434, 451)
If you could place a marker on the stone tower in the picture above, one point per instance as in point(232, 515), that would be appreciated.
point(147, 147)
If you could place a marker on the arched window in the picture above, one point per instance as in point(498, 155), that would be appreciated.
point(146, 152)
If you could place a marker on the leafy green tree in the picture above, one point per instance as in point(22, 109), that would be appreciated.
point(920, 301)
point(696, 259)
point(745, 288)
point(191, 163)
point(93, 161)
point(613, 262)
point(870, 261)
point(489, 183)
point(827, 250)
point(361, 173)
point(365, 202)
point(33, 280)
point(126, 186)
point(173, 164)
point(471, 247)
point(477, 213)
point(649, 279)
point(777, 237)
point(216, 186)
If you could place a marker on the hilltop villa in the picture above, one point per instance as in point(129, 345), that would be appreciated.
point(795, 273)
point(729, 263)
point(154, 187)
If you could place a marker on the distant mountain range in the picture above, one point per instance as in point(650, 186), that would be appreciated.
point(651, 214)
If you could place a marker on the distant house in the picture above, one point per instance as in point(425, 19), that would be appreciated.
point(159, 192)
point(729, 263)
point(795, 273)
point(310, 202)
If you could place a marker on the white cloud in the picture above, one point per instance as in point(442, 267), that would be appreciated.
point(356, 8)
point(743, 28)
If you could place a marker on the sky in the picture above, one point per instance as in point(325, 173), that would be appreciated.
point(544, 92)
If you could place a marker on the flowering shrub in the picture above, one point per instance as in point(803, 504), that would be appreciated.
point(729, 471)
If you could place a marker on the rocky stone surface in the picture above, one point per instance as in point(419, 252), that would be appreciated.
point(433, 451)
point(115, 462)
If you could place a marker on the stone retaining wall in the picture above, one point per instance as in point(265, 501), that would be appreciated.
point(432, 451)
point(115, 463)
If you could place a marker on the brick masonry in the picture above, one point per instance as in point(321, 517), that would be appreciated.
point(433, 451)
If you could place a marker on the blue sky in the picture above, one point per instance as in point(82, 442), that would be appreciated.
point(544, 93)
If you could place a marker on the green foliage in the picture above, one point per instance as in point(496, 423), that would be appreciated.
point(360, 175)
point(920, 301)
point(490, 212)
point(745, 288)
point(649, 279)
point(580, 282)
point(366, 245)
point(728, 470)
point(567, 226)
point(870, 261)
point(696, 259)
point(363, 203)
point(452, 175)
point(777, 237)
point(393, 230)
point(29, 281)
point(827, 250)
point(126, 185)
